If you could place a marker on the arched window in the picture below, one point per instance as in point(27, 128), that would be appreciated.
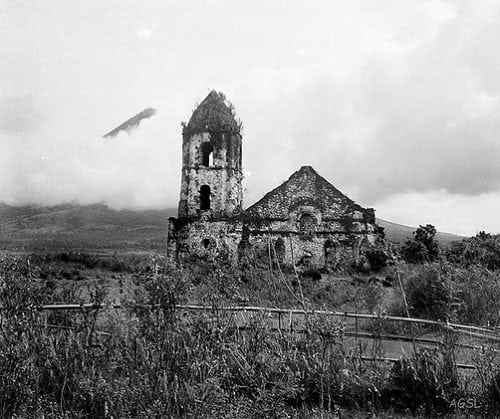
point(307, 223)
point(207, 154)
point(205, 197)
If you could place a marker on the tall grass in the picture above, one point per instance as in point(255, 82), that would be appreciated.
point(154, 361)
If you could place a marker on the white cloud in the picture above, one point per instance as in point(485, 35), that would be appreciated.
point(127, 171)
point(144, 33)
point(386, 99)
point(465, 215)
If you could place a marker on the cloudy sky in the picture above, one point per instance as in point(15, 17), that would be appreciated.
point(395, 102)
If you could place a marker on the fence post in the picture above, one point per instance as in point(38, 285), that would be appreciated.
point(405, 304)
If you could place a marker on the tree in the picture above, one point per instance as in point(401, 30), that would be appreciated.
point(423, 248)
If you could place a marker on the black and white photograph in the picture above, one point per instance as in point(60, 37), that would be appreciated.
point(249, 209)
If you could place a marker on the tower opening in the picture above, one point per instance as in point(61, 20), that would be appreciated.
point(205, 197)
point(207, 154)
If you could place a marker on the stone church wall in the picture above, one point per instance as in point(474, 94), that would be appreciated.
point(205, 238)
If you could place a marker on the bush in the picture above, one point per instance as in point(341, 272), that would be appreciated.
point(429, 294)
point(414, 252)
point(492, 395)
point(426, 381)
point(483, 250)
point(372, 295)
point(377, 258)
point(478, 297)
point(83, 260)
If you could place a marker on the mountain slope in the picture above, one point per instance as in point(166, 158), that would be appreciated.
point(83, 227)
point(97, 226)
point(131, 123)
point(399, 233)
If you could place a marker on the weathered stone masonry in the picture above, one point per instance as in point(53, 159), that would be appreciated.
point(211, 183)
point(311, 221)
point(306, 219)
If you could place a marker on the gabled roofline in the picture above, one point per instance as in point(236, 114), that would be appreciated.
point(296, 173)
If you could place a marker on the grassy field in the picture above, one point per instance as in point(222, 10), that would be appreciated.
point(152, 359)
point(155, 362)
point(118, 276)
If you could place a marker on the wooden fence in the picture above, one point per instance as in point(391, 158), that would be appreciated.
point(494, 333)
point(286, 318)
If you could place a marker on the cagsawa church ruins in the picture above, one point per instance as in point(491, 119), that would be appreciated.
point(304, 221)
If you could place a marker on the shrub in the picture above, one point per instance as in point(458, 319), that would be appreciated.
point(429, 294)
point(372, 295)
point(478, 295)
point(492, 395)
point(426, 381)
point(483, 250)
point(377, 258)
point(414, 252)
point(84, 260)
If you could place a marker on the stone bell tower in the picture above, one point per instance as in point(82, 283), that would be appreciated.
point(211, 162)
point(211, 184)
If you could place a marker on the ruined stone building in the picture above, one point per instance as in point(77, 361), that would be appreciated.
point(306, 220)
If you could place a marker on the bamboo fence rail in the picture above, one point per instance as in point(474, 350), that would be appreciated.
point(481, 331)
point(488, 334)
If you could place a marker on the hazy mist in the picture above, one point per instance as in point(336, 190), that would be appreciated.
point(395, 102)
